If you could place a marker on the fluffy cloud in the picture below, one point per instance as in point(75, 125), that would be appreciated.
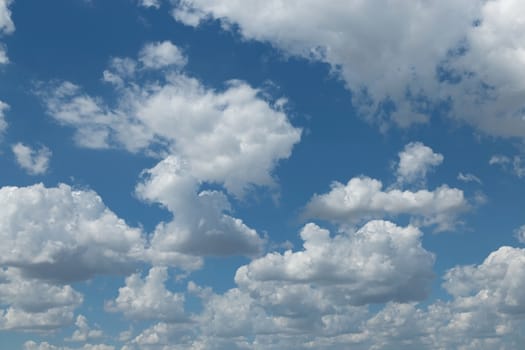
point(200, 225)
point(34, 161)
point(161, 54)
point(149, 298)
point(233, 136)
point(34, 304)
point(485, 312)
point(363, 198)
point(377, 263)
point(84, 331)
point(64, 234)
point(415, 161)
point(466, 55)
point(498, 281)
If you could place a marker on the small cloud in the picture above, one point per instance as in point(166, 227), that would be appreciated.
point(34, 161)
point(415, 161)
point(469, 178)
point(519, 233)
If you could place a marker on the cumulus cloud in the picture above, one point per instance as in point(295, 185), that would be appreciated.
point(34, 161)
point(161, 54)
point(466, 55)
point(232, 136)
point(201, 225)
point(415, 161)
point(34, 304)
point(377, 263)
point(84, 332)
point(149, 298)
point(363, 198)
point(498, 281)
point(64, 234)
point(485, 310)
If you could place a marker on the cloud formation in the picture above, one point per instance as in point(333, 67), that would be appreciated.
point(63, 234)
point(363, 198)
point(472, 65)
point(415, 161)
point(34, 161)
point(233, 137)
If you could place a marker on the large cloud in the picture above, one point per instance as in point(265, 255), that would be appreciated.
point(33, 304)
point(232, 136)
point(485, 312)
point(465, 55)
point(64, 234)
point(363, 198)
point(377, 263)
point(201, 225)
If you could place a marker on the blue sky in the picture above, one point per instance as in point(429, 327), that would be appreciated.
point(207, 174)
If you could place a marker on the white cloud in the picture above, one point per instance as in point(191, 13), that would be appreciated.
point(84, 332)
point(34, 161)
point(233, 136)
point(34, 304)
point(415, 161)
point(377, 263)
point(161, 54)
point(3, 108)
point(6, 27)
point(64, 234)
point(150, 3)
point(515, 165)
point(363, 198)
point(31, 345)
point(6, 24)
point(468, 55)
point(149, 298)
point(469, 178)
point(201, 225)
point(499, 282)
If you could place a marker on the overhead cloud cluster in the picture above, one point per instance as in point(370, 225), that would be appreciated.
point(472, 64)
point(485, 311)
point(233, 136)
